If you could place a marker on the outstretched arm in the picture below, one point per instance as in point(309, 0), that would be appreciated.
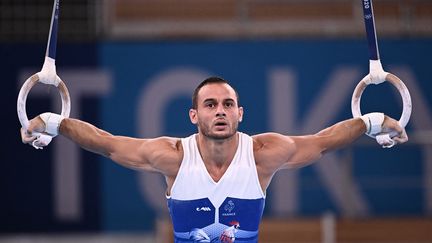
point(345, 132)
point(311, 147)
point(159, 154)
point(276, 151)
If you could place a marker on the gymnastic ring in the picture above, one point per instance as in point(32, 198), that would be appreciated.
point(400, 86)
point(24, 91)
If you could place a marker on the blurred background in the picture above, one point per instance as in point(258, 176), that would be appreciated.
point(131, 67)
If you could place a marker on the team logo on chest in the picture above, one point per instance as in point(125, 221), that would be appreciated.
point(229, 207)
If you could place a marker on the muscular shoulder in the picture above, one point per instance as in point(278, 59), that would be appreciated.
point(271, 150)
point(167, 144)
point(164, 153)
point(269, 141)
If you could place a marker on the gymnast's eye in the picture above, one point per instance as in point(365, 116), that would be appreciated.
point(210, 105)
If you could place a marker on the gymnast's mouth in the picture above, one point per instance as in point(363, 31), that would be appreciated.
point(220, 123)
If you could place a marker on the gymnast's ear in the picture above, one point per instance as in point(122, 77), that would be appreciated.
point(193, 116)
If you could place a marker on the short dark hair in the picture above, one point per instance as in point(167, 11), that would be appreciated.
point(210, 80)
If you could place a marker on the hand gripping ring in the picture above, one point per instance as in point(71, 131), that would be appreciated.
point(22, 98)
point(395, 81)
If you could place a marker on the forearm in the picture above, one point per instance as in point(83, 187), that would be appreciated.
point(85, 135)
point(341, 134)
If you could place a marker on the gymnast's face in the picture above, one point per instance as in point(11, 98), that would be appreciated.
point(217, 114)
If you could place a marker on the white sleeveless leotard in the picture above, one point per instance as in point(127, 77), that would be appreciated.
point(229, 210)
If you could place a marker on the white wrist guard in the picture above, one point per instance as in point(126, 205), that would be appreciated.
point(373, 122)
point(52, 122)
